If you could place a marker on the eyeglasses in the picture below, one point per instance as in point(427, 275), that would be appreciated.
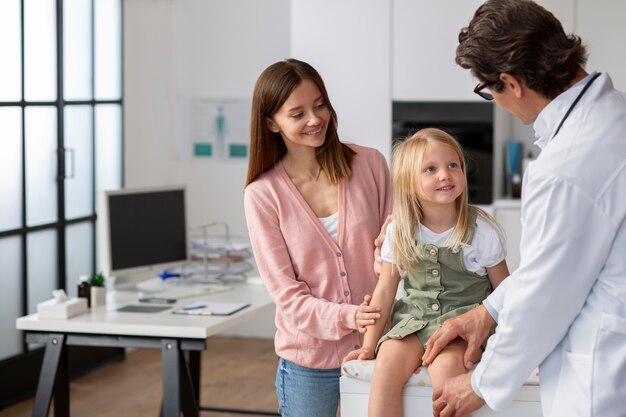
point(480, 87)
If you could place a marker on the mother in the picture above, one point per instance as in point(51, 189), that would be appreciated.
point(314, 206)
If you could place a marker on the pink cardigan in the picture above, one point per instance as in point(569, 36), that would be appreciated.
point(316, 282)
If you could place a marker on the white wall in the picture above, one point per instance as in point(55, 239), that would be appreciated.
point(193, 48)
point(349, 43)
point(148, 81)
point(601, 26)
point(425, 37)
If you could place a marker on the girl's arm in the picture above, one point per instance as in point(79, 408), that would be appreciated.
point(384, 296)
point(497, 273)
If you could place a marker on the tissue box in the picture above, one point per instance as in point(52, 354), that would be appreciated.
point(51, 309)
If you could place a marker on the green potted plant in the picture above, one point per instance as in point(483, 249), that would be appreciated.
point(98, 291)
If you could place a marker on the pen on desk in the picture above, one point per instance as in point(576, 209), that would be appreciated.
point(189, 308)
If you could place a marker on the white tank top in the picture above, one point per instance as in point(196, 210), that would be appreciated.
point(330, 223)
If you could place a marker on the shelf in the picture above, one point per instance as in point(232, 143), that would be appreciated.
point(215, 254)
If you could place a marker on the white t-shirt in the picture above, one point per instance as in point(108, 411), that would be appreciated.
point(487, 249)
point(331, 223)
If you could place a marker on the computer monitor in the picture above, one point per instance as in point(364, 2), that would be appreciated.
point(140, 230)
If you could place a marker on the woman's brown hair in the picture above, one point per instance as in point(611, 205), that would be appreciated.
point(272, 89)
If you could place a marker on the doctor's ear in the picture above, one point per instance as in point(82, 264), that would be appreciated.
point(271, 125)
point(513, 82)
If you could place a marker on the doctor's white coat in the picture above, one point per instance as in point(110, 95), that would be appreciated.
point(564, 308)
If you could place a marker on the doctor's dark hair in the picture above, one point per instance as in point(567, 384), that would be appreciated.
point(521, 38)
point(272, 89)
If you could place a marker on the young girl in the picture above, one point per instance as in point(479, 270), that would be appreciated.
point(453, 255)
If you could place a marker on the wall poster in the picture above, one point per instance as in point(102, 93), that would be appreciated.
point(212, 128)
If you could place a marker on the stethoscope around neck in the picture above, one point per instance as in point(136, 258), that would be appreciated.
point(582, 92)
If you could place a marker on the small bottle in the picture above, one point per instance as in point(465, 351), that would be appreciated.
point(84, 289)
point(516, 186)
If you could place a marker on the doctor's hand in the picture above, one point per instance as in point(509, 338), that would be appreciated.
point(456, 398)
point(366, 315)
point(473, 327)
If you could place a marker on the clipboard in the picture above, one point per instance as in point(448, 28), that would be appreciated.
point(210, 308)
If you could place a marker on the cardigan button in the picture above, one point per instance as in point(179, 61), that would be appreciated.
point(435, 272)
point(343, 274)
point(433, 252)
point(435, 307)
point(338, 254)
point(346, 293)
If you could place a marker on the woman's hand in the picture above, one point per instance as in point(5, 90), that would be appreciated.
point(366, 315)
point(362, 354)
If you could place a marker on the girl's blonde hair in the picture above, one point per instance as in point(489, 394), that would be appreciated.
point(407, 210)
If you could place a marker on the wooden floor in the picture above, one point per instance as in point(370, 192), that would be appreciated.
point(236, 372)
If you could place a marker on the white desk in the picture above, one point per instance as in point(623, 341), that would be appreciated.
point(172, 333)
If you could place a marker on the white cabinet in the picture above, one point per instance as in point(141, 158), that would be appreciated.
point(425, 37)
point(508, 214)
point(349, 43)
point(424, 41)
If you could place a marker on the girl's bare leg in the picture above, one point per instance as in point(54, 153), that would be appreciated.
point(395, 362)
point(448, 363)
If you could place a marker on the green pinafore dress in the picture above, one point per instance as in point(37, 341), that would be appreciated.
point(440, 288)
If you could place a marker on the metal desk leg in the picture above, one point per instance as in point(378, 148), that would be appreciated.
point(171, 378)
point(62, 385)
point(188, 398)
point(195, 361)
point(184, 385)
point(53, 379)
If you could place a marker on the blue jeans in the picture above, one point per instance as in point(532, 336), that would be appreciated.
point(306, 392)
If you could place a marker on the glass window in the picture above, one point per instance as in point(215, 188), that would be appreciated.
point(48, 116)
point(108, 147)
point(10, 296)
point(11, 68)
point(42, 264)
point(11, 163)
point(78, 254)
point(41, 165)
point(40, 52)
point(108, 49)
point(78, 161)
point(77, 52)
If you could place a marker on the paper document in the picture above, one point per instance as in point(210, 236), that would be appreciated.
point(210, 308)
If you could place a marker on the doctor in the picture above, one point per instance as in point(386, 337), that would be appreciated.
point(564, 309)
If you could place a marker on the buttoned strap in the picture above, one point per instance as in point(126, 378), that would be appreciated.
point(472, 214)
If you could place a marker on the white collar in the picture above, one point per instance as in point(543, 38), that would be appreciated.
point(551, 115)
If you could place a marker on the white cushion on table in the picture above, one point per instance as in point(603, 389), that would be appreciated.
point(362, 370)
